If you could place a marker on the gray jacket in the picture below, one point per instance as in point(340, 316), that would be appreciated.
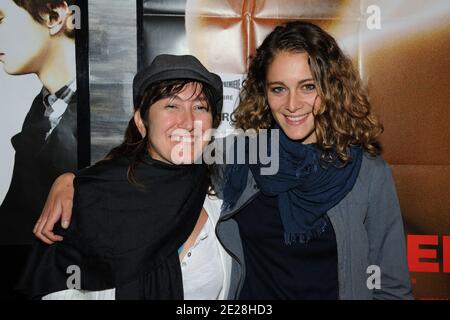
point(369, 232)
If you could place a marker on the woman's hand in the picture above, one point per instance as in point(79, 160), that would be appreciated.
point(58, 206)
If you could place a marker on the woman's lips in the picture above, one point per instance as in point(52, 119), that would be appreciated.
point(297, 120)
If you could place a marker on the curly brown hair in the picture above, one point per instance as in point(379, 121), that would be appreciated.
point(344, 117)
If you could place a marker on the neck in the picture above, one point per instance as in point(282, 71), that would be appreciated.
point(59, 67)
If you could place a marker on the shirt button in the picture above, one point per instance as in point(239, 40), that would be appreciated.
point(183, 264)
point(189, 254)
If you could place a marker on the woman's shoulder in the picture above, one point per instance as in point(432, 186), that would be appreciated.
point(114, 169)
point(374, 167)
point(93, 185)
point(374, 162)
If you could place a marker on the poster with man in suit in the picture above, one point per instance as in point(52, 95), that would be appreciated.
point(38, 38)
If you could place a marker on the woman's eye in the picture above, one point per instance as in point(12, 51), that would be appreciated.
point(201, 108)
point(277, 90)
point(309, 87)
point(171, 106)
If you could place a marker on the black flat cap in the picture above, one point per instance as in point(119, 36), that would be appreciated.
point(168, 67)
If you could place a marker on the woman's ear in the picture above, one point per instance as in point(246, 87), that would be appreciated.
point(139, 123)
point(56, 20)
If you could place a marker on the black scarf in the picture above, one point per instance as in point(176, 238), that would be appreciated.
point(123, 236)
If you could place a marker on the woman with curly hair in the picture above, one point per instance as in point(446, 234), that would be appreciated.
point(327, 225)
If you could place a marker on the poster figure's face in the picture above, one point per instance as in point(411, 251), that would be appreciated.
point(23, 41)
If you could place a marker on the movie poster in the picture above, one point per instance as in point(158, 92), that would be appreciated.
point(42, 85)
point(401, 50)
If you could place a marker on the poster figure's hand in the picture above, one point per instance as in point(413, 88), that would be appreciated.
point(57, 207)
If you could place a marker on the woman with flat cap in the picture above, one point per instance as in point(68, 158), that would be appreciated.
point(130, 236)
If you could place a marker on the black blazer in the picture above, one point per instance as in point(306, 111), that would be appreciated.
point(38, 162)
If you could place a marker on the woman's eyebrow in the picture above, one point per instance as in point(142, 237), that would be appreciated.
point(275, 82)
point(305, 80)
point(282, 83)
point(197, 99)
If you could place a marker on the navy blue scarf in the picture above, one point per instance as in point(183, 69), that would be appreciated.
point(305, 186)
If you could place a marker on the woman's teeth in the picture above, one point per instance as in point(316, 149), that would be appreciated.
point(298, 118)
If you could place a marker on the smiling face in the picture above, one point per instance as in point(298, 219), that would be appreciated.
point(292, 95)
point(177, 125)
point(23, 41)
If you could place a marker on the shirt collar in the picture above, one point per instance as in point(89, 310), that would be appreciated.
point(65, 94)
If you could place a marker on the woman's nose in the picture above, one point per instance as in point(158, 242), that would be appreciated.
point(298, 100)
point(187, 121)
point(294, 102)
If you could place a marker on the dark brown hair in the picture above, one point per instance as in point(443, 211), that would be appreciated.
point(37, 8)
point(344, 118)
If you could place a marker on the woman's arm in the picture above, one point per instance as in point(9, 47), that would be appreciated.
point(58, 206)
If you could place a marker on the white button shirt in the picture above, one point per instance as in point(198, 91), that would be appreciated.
point(202, 267)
